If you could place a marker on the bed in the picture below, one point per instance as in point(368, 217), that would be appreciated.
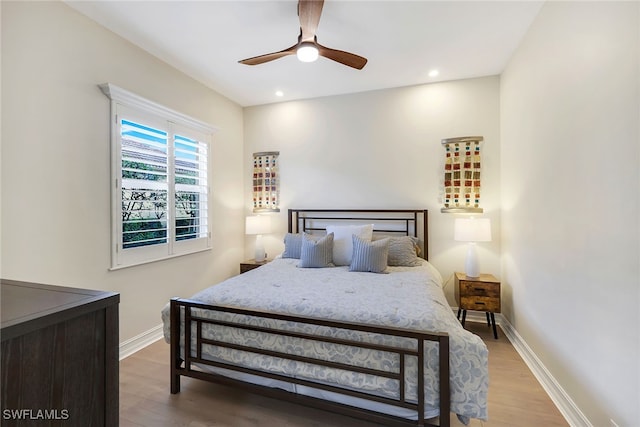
point(383, 347)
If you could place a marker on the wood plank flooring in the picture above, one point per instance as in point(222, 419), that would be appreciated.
point(516, 399)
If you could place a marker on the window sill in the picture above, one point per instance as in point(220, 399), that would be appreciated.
point(122, 267)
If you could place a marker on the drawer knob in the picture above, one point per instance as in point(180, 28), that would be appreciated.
point(478, 289)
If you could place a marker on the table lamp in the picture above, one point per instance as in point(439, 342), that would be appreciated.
point(472, 230)
point(258, 225)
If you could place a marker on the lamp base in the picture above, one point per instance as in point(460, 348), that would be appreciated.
point(471, 265)
point(259, 253)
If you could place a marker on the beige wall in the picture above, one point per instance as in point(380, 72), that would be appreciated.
point(56, 159)
point(570, 215)
point(381, 149)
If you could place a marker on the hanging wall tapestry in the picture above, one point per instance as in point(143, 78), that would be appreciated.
point(266, 185)
point(462, 174)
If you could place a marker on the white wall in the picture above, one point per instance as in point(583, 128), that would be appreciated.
point(380, 149)
point(570, 215)
point(56, 158)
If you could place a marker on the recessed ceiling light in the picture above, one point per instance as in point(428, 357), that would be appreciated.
point(279, 93)
point(434, 73)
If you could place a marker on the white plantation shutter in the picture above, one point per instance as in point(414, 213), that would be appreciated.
point(144, 184)
point(191, 189)
point(160, 164)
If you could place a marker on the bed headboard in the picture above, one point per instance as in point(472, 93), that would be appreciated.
point(386, 222)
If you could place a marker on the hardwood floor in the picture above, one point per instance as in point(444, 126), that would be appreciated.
point(516, 399)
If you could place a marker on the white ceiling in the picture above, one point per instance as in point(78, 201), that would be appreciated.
point(403, 41)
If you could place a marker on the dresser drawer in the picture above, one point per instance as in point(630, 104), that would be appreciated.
point(480, 303)
point(481, 289)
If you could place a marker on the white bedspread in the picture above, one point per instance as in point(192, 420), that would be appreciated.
point(408, 297)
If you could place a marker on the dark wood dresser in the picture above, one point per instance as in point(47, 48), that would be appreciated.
point(59, 356)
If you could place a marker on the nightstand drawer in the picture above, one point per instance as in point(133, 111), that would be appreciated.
point(481, 289)
point(480, 303)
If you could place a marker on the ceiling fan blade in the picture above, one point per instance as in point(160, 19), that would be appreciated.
point(269, 56)
point(346, 58)
point(309, 12)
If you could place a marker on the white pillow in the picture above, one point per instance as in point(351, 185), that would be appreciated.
point(343, 241)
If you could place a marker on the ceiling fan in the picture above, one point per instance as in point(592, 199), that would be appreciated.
point(308, 49)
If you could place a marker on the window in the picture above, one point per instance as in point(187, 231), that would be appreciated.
point(160, 198)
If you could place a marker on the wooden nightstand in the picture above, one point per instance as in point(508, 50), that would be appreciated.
point(251, 264)
point(479, 294)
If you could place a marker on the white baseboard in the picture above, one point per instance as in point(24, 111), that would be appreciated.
point(558, 396)
point(130, 346)
point(567, 407)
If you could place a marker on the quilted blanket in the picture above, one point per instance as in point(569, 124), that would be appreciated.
point(407, 297)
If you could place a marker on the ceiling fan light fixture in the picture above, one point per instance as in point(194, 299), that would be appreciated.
point(307, 52)
point(307, 49)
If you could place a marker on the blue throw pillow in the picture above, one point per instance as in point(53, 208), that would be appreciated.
point(369, 256)
point(292, 245)
point(316, 253)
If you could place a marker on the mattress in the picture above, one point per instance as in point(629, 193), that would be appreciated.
point(406, 297)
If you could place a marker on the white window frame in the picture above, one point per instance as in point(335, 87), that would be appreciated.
point(125, 104)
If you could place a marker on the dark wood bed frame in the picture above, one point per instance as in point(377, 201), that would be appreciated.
point(404, 222)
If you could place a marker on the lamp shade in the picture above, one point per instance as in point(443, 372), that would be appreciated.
point(259, 224)
point(472, 230)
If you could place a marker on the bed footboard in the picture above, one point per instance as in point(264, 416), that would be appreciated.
point(183, 365)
